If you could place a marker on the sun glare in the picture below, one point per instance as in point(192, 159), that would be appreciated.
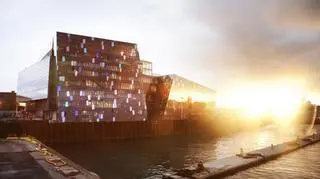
point(280, 100)
point(196, 96)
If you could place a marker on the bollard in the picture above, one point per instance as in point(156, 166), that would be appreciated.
point(200, 167)
point(272, 146)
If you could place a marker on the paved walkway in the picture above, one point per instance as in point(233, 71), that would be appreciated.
point(23, 159)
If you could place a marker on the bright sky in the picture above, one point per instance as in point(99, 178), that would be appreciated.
point(222, 44)
point(163, 31)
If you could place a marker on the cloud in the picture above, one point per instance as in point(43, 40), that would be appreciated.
point(263, 39)
point(299, 14)
point(213, 42)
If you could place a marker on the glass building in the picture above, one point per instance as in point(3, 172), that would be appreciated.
point(182, 89)
point(188, 99)
point(33, 81)
point(93, 79)
point(86, 78)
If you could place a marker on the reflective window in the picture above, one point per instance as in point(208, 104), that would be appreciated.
point(73, 63)
point(61, 78)
point(95, 83)
point(33, 81)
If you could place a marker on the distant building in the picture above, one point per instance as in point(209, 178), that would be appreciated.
point(317, 121)
point(8, 101)
point(8, 104)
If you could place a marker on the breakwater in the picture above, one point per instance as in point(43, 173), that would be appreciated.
point(230, 165)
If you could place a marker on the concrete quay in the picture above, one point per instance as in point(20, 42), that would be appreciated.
point(230, 165)
point(28, 158)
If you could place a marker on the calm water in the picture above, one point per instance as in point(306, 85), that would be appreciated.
point(149, 158)
point(303, 163)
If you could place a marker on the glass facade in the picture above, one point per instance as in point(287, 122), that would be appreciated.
point(183, 88)
point(146, 67)
point(157, 96)
point(100, 80)
point(94, 79)
point(188, 99)
point(33, 81)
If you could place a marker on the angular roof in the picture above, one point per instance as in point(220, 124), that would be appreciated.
point(188, 83)
point(98, 38)
point(183, 88)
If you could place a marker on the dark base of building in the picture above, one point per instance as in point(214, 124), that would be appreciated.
point(98, 132)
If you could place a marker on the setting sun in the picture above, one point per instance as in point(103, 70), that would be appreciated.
point(281, 100)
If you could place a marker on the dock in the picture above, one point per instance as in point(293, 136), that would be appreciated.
point(27, 157)
point(230, 165)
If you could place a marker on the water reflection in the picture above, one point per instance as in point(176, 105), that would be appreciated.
point(256, 139)
point(151, 157)
point(303, 163)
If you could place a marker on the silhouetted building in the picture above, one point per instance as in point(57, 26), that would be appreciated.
point(8, 101)
point(306, 113)
point(7, 104)
point(317, 121)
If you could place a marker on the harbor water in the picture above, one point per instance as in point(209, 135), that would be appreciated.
point(303, 163)
point(150, 158)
